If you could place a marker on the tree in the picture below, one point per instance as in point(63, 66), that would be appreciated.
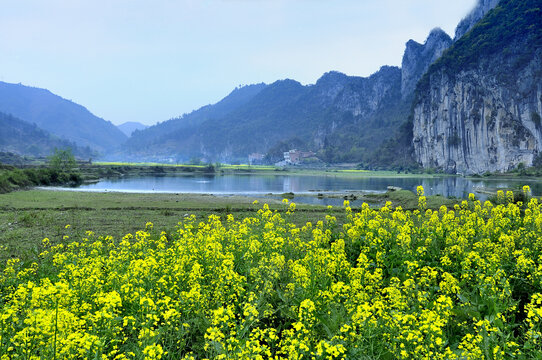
point(62, 160)
point(195, 161)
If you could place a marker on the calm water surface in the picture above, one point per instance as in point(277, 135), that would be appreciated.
point(260, 185)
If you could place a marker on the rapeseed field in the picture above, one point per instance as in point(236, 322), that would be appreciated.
point(459, 283)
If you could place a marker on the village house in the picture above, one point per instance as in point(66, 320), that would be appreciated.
point(294, 157)
point(255, 159)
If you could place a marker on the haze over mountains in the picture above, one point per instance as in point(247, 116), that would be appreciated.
point(21, 137)
point(467, 105)
point(343, 118)
point(59, 117)
point(130, 126)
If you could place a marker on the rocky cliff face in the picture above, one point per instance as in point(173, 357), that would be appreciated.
point(479, 107)
point(351, 108)
point(471, 123)
point(479, 11)
point(418, 57)
point(357, 95)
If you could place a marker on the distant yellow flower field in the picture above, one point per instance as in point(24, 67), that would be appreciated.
point(354, 171)
point(461, 283)
point(222, 166)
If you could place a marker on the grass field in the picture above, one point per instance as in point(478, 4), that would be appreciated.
point(26, 217)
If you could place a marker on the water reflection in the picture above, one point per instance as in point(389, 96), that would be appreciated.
point(306, 184)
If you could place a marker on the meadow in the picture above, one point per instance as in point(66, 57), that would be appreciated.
point(26, 217)
point(459, 282)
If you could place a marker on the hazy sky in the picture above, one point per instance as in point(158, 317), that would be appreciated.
point(150, 60)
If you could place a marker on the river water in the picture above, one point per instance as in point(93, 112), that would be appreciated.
point(306, 186)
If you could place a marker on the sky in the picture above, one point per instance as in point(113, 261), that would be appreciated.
point(149, 61)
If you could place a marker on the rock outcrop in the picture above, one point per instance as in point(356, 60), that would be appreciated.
point(470, 123)
point(418, 57)
point(479, 107)
point(360, 96)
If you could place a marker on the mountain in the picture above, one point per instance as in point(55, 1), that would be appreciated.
point(479, 11)
point(163, 139)
point(478, 108)
point(418, 57)
point(272, 113)
point(59, 116)
point(130, 126)
point(396, 151)
point(343, 118)
point(467, 105)
point(23, 138)
point(361, 116)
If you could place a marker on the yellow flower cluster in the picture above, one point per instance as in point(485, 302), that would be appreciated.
point(461, 283)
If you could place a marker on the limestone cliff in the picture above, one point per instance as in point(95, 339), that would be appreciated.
point(418, 57)
point(359, 96)
point(478, 108)
point(471, 123)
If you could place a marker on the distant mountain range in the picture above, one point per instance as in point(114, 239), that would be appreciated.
point(130, 126)
point(59, 116)
point(341, 118)
point(467, 105)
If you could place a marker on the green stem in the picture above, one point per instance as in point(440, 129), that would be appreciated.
point(56, 329)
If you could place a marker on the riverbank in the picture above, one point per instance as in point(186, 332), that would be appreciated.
point(12, 178)
point(26, 217)
point(111, 169)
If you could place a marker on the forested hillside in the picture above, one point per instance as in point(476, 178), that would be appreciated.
point(23, 138)
point(59, 116)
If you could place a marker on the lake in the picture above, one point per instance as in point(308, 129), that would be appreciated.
point(305, 186)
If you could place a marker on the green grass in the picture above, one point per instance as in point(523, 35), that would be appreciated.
point(14, 179)
point(26, 217)
point(221, 166)
point(355, 171)
point(121, 163)
point(133, 167)
point(409, 201)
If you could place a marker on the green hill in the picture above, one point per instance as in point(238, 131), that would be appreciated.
point(338, 106)
point(163, 139)
point(23, 138)
point(59, 116)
